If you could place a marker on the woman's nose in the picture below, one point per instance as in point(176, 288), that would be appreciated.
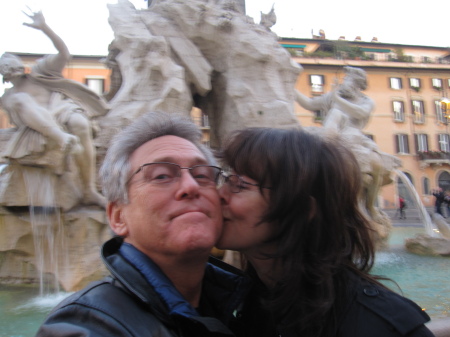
point(224, 193)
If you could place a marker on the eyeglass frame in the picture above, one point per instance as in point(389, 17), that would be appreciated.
point(226, 178)
point(216, 183)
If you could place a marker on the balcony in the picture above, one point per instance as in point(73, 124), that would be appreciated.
point(428, 158)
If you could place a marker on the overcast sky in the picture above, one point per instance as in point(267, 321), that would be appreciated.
point(84, 27)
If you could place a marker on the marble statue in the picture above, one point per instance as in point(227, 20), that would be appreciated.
point(52, 115)
point(180, 54)
point(268, 20)
point(347, 112)
point(171, 57)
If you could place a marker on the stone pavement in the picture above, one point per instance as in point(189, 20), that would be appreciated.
point(412, 217)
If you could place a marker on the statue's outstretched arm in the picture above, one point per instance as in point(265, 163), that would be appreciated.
point(312, 104)
point(59, 60)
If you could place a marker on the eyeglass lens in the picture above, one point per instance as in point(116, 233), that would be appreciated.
point(164, 173)
point(234, 182)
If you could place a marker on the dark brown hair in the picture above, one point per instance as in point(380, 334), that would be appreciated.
point(320, 231)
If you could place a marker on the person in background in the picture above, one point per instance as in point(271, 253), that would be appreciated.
point(439, 195)
point(164, 208)
point(401, 207)
point(291, 207)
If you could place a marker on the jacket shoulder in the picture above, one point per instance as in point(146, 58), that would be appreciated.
point(102, 309)
point(376, 309)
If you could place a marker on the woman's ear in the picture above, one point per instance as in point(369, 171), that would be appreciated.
point(312, 208)
point(115, 214)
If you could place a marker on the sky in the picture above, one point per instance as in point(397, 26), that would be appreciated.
point(83, 24)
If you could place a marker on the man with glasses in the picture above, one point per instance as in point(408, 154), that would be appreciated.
point(163, 205)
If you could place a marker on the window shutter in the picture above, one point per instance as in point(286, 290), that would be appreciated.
point(406, 137)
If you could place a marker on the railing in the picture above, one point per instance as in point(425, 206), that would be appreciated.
point(434, 155)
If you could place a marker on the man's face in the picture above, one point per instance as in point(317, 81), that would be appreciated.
point(178, 220)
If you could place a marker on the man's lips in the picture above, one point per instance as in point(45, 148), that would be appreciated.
point(187, 211)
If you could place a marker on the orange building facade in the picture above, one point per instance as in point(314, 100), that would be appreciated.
point(407, 84)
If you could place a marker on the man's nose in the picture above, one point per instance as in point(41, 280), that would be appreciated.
point(188, 187)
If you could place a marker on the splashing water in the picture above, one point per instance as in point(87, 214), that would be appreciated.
point(430, 227)
point(47, 228)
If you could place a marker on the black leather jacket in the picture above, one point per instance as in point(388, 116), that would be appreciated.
point(369, 310)
point(125, 304)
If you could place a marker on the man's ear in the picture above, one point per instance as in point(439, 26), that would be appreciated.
point(114, 211)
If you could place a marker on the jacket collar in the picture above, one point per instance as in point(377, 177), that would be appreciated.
point(225, 286)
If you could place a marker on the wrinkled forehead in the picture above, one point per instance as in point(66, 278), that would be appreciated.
point(168, 149)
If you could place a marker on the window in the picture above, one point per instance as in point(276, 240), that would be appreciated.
point(418, 111)
point(444, 142)
point(396, 83)
point(399, 111)
point(97, 85)
point(204, 120)
point(440, 116)
point(426, 185)
point(414, 83)
point(421, 142)
point(200, 118)
point(319, 116)
point(402, 144)
point(436, 83)
point(317, 82)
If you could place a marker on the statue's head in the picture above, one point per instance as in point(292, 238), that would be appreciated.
point(10, 65)
point(358, 76)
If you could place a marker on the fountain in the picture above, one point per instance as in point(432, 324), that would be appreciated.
point(430, 227)
point(172, 57)
point(436, 239)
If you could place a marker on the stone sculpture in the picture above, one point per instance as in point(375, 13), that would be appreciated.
point(433, 245)
point(179, 54)
point(172, 57)
point(52, 118)
point(347, 112)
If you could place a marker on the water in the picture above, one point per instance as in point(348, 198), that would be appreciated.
point(22, 310)
point(48, 231)
point(430, 227)
point(425, 280)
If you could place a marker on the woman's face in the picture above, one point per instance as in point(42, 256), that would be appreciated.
point(242, 214)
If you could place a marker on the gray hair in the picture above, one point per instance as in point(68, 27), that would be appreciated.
point(115, 170)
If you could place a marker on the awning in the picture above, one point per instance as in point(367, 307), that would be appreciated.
point(300, 46)
point(376, 50)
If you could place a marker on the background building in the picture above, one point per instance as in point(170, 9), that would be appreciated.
point(406, 82)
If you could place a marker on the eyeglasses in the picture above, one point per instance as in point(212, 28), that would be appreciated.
point(236, 183)
point(166, 173)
